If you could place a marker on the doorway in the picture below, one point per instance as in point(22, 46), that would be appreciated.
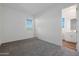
point(68, 28)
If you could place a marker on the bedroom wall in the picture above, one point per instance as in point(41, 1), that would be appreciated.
point(14, 25)
point(1, 24)
point(48, 26)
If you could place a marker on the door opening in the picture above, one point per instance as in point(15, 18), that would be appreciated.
point(68, 27)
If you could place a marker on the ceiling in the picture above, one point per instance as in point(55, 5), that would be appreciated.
point(34, 9)
point(30, 8)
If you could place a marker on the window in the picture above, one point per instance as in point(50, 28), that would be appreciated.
point(28, 23)
point(73, 24)
point(62, 22)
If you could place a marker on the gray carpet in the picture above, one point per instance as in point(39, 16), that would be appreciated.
point(34, 47)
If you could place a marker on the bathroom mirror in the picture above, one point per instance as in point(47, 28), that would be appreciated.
point(73, 24)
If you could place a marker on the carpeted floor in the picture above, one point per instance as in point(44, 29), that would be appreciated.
point(34, 47)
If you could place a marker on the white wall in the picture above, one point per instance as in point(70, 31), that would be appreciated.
point(14, 25)
point(0, 23)
point(48, 26)
point(78, 28)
